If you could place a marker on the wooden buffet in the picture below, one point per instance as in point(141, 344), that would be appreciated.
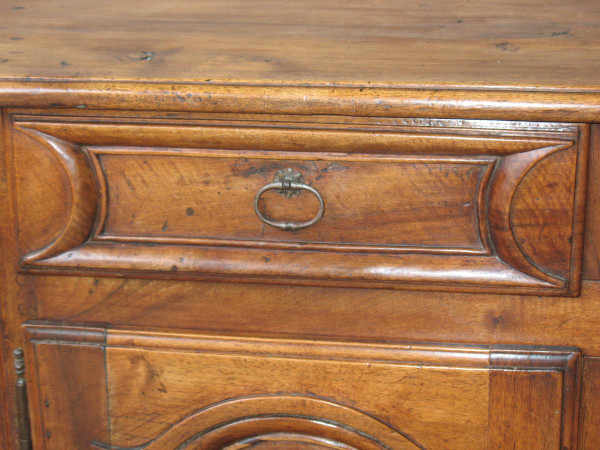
point(300, 225)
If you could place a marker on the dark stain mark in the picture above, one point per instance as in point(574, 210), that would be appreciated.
point(16, 38)
point(129, 184)
point(174, 267)
point(47, 403)
point(561, 33)
point(498, 320)
point(506, 47)
point(181, 259)
point(153, 376)
point(335, 167)
point(56, 105)
point(165, 226)
point(190, 211)
point(48, 434)
point(266, 258)
point(318, 177)
point(262, 170)
point(64, 63)
point(3, 61)
point(15, 8)
point(142, 56)
point(459, 21)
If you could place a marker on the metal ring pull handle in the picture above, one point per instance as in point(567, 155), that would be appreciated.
point(289, 183)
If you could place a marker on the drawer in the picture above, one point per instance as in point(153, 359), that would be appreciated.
point(126, 388)
point(450, 205)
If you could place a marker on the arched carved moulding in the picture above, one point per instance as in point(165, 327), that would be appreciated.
point(282, 417)
point(84, 195)
point(285, 441)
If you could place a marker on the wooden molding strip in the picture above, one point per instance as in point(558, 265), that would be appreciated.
point(466, 103)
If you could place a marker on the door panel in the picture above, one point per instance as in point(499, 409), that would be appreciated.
point(171, 389)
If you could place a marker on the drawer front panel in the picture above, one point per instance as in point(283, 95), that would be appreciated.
point(388, 205)
point(461, 209)
point(177, 390)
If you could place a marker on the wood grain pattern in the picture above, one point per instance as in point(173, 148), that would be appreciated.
point(527, 412)
point(203, 226)
point(210, 390)
point(591, 252)
point(390, 42)
point(355, 314)
point(204, 197)
point(69, 390)
point(387, 79)
point(555, 390)
point(590, 400)
point(433, 102)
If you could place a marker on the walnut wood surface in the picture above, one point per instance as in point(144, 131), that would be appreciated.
point(520, 402)
point(383, 79)
point(505, 43)
point(458, 206)
point(592, 236)
point(410, 59)
point(590, 413)
point(210, 391)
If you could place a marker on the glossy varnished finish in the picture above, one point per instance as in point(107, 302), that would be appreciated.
point(167, 389)
point(459, 206)
point(450, 144)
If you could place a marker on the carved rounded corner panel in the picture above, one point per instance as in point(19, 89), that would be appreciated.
point(292, 421)
point(511, 175)
point(82, 201)
point(542, 213)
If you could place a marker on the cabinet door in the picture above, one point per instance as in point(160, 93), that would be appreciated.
point(98, 387)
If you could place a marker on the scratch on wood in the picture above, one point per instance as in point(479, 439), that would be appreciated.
point(142, 56)
point(506, 46)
